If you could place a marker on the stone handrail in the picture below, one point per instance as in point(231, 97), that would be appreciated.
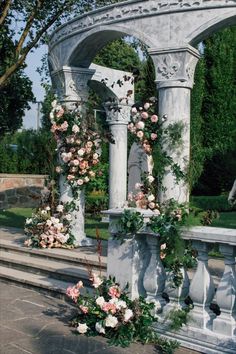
point(137, 261)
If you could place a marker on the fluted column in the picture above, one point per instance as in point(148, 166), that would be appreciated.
point(118, 117)
point(174, 76)
point(70, 86)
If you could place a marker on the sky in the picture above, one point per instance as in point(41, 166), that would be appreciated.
point(33, 62)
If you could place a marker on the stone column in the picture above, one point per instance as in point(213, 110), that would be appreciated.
point(70, 85)
point(118, 117)
point(174, 76)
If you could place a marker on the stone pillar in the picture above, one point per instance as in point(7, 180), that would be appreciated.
point(70, 85)
point(174, 76)
point(118, 117)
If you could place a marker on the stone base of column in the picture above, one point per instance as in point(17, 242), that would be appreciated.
point(225, 324)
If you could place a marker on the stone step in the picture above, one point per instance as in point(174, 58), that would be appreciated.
point(80, 256)
point(48, 268)
point(51, 286)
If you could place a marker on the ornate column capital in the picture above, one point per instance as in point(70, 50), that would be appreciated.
point(175, 67)
point(70, 83)
point(117, 113)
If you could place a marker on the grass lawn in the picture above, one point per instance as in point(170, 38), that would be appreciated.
point(15, 217)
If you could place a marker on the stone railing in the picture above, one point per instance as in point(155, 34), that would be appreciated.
point(20, 190)
point(137, 261)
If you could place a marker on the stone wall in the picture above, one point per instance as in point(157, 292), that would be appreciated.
point(20, 190)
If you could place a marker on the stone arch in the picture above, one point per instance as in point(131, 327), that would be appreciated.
point(93, 41)
point(210, 27)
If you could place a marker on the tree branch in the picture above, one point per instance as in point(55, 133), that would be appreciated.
point(5, 11)
point(28, 25)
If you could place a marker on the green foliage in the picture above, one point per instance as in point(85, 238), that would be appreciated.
point(118, 55)
point(35, 153)
point(16, 95)
point(219, 203)
point(96, 202)
point(213, 130)
point(178, 318)
point(130, 223)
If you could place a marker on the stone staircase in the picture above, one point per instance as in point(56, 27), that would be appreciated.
point(50, 271)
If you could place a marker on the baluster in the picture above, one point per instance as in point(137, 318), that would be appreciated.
point(154, 276)
point(177, 295)
point(202, 289)
point(226, 294)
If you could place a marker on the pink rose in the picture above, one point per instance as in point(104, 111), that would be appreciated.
point(140, 134)
point(70, 177)
point(80, 182)
point(154, 118)
point(114, 291)
point(146, 106)
point(76, 162)
point(153, 136)
point(89, 144)
point(144, 115)
point(73, 293)
point(64, 126)
point(109, 307)
point(83, 164)
point(134, 110)
point(84, 309)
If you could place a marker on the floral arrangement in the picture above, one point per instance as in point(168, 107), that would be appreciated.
point(111, 313)
point(145, 126)
point(48, 229)
point(144, 198)
point(79, 147)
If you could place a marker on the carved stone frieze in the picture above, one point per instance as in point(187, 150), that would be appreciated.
point(130, 10)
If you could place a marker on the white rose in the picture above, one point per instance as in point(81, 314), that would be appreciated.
point(54, 103)
point(127, 315)
point(121, 304)
point(100, 301)
point(48, 223)
point(68, 217)
point(147, 105)
point(43, 212)
point(58, 226)
point(54, 220)
point(140, 125)
point(150, 179)
point(75, 128)
point(151, 198)
point(48, 208)
point(95, 156)
point(60, 208)
point(99, 328)
point(111, 321)
point(81, 152)
point(82, 328)
point(28, 221)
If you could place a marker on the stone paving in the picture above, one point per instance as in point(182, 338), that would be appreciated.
point(34, 323)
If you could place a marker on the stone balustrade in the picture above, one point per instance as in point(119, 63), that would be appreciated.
point(137, 261)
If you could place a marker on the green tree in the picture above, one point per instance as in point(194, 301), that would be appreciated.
point(213, 116)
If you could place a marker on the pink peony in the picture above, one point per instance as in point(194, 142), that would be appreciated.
point(154, 118)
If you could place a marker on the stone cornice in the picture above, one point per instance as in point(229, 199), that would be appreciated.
point(119, 12)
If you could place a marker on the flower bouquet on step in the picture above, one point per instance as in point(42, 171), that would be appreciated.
point(111, 313)
point(48, 228)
